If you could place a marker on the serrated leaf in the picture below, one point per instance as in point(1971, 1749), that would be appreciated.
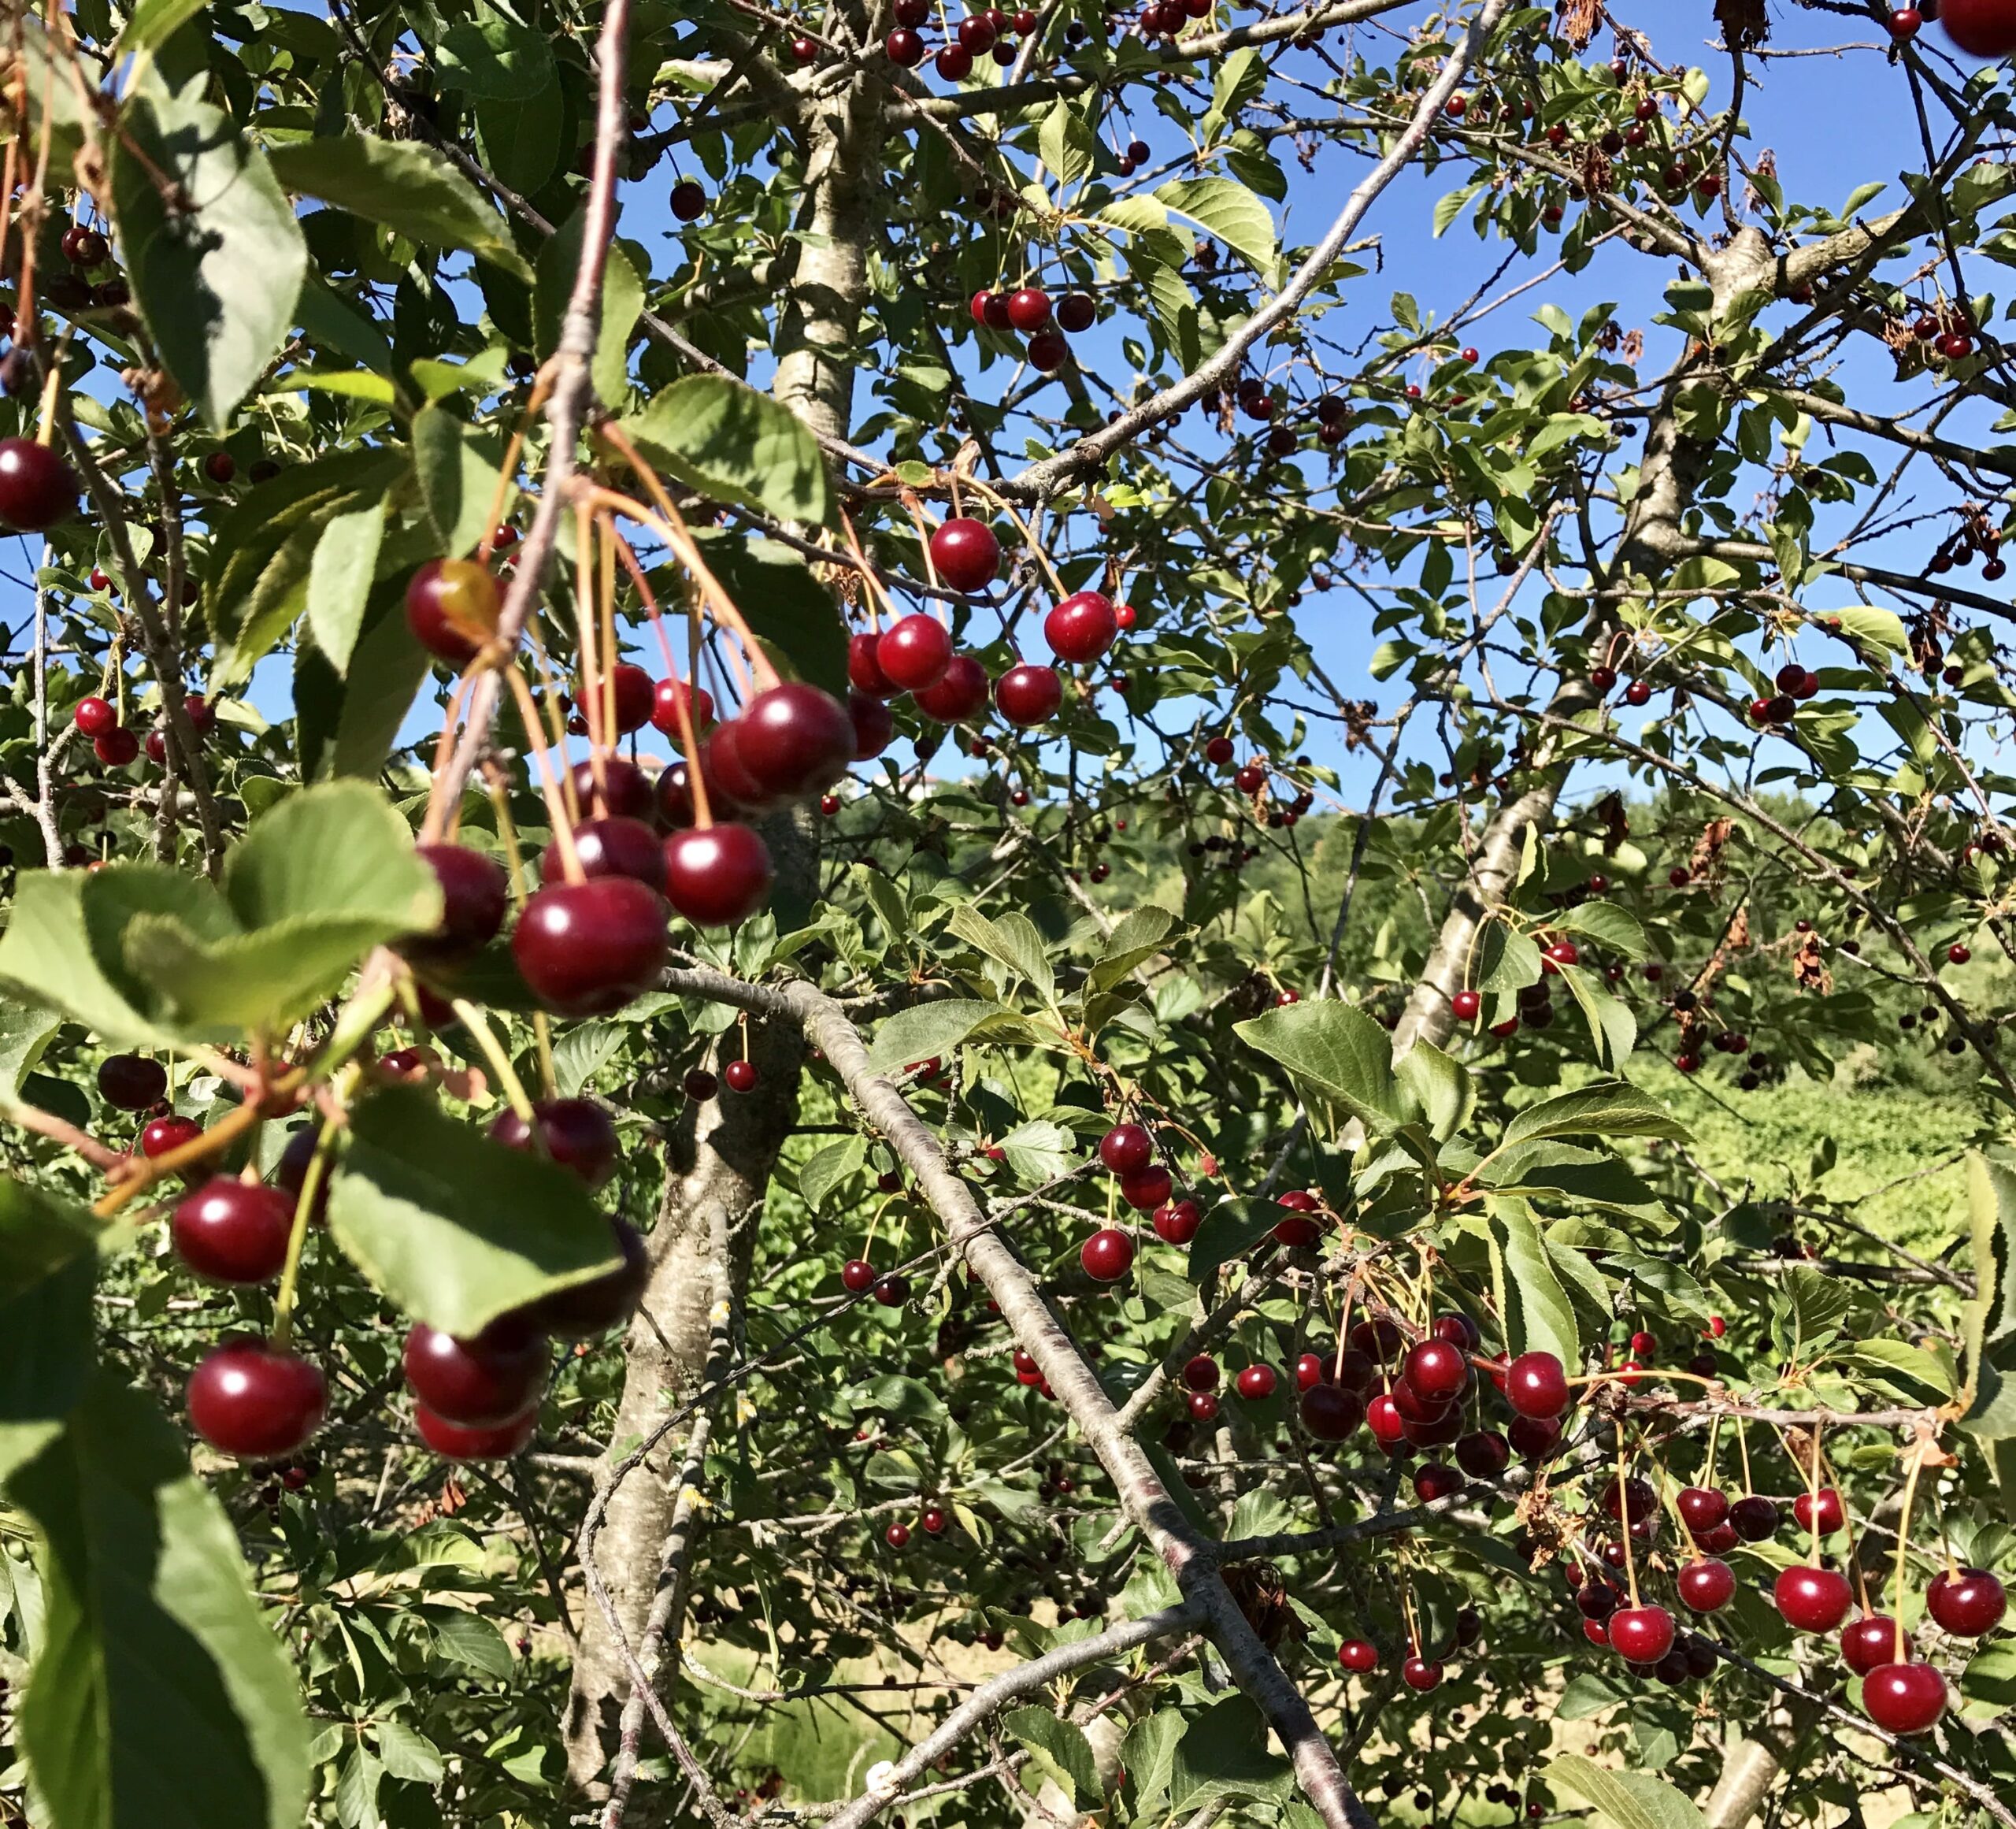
point(1607, 924)
point(622, 300)
point(1613, 1029)
point(1137, 937)
point(1339, 1054)
point(1539, 1318)
point(458, 484)
point(1013, 939)
point(1065, 144)
point(1608, 1108)
point(1228, 210)
point(1060, 1747)
point(727, 440)
point(406, 186)
point(1630, 1800)
point(495, 58)
point(1225, 1754)
point(339, 579)
point(49, 1256)
point(454, 1228)
point(583, 1052)
point(829, 1167)
point(1442, 1087)
point(928, 1032)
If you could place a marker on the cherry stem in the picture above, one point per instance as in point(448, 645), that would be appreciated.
point(1903, 1549)
point(304, 1205)
point(500, 1063)
point(563, 830)
point(1813, 1500)
point(1624, 1521)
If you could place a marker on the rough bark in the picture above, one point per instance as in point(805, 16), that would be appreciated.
point(734, 1145)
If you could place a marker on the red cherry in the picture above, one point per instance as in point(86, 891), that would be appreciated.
point(1707, 1584)
point(1075, 311)
point(131, 1082)
point(1641, 1634)
point(1982, 28)
point(961, 694)
point(718, 877)
point(1536, 1385)
point(857, 1276)
point(1331, 1413)
point(609, 847)
point(1421, 1673)
point(1107, 1255)
point(1379, 1340)
point(741, 1076)
point(1484, 1454)
point(795, 739)
point(873, 726)
point(1146, 1188)
point(250, 1400)
point(1831, 1514)
point(1298, 1230)
point(496, 1441)
point(1956, 954)
point(1905, 1698)
point(1028, 694)
point(934, 1519)
point(1870, 1640)
point(1177, 1223)
point(635, 694)
point(915, 653)
point(481, 1382)
point(1047, 352)
point(1812, 1600)
point(990, 310)
point(594, 1307)
point(1437, 1371)
point(666, 697)
point(689, 201)
point(231, 1231)
point(954, 63)
point(1755, 1518)
point(1465, 1005)
point(1255, 1382)
point(965, 554)
point(897, 1536)
point(117, 748)
point(1701, 1508)
point(1201, 1373)
point(1433, 1481)
point(1383, 1417)
point(1968, 1603)
point(610, 788)
point(165, 1133)
point(1203, 1406)
point(1126, 1148)
point(95, 717)
point(576, 1133)
point(1081, 628)
point(1125, 615)
point(1357, 1657)
point(1534, 1438)
point(1028, 310)
point(1219, 750)
point(38, 489)
point(586, 949)
point(452, 607)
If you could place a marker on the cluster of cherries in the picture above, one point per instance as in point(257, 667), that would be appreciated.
point(990, 30)
point(115, 743)
point(1795, 685)
point(1030, 310)
point(1982, 28)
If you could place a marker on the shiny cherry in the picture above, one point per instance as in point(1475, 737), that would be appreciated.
point(608, 787)
point(1812, 1600)
point(1831, 1514)
point(1421, 1673)
point(914, 652)
point(795, 740)
point(609, 848)
point(1255, 1382)
point(1126, 1148)
point(1967, 1603)
point(717, 876)
point(475, 894)
point(960, 694)
point(1707, 1584)
point(576, 1133)
point(965, 554)
point(231, 1231)
point(586, 949)
point(1081, 628)
point(1358, 1656)
point(452, 607)
point(1535, 1385)
point(478, 1382)
point(1904, 1698)
point(1028, 694)
point(160, 1135)
point(132, 1082)
point(458, 1441)
point(249, 1400)
point(871, 725)
point(38, 489)
point(1701, 1508)
point(1641, 1634)
point(1107, 1255)
point(1871, 1641)
point(1437, 1370)
point(1146, 1188)
point(666, 697)
point(1754, 1517)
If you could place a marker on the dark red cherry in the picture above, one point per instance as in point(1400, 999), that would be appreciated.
point(610, 847)
point(873, 723)
point(1028, 310)
point(1632, 1502)
point(1812, 1600)
point(1459, 1330)
point(162, 1134)
point(455, 1441)
point(1076, 311)
point(731, 787)
point(1434, 1481)
point(1536, 1385)
point(1081, 628)
point(1701, 1508)
point(117, 748)
point(1755, 1518)
point(718, 876)
point(1200, 1372)
point(1126, 1148)
point(1831, 1515)
point(594, 1307)
point(795, 740)
point(1967, 1603)
point(914, 652)
point(1176, 1223)
point(858, 1275)
point(1379, 1340)
point(965, 554)
point(990, 310)
point(132, 1082)
point(1597, 1599)
point(474, 893)
point(1421, 1673)
point(689, 201)
point(666, 697)
point(231, 1231)
point(741, 1076)
point(94, 716)
point(477, 1383)
point(1146, 1188)
point(1641, 1634)
point(671, 797)
point(1358, 1656)
point(576, 1133)
point(903, 47)
point(635, 694)
point(1871, 1641)
point(1330, 1413)
point(1904, 1698)
point(586, 949)
point(452, 608)
point(608, 787)
point(1707, 1584)
point(1255, 1382)
point(865, 671)
point(1029, 695)
point(249, 1400)
point(1484, 1454)
point(38, 489)
point(1107, 1255)
point(961, 693)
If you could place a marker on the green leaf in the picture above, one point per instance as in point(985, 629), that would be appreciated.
point(25, 1031)
point(1060, 1747)
point(1338, 1054)
point(458, 484)
point(727, 440)
point(1230, 1230)
point(1040, 1151)
point(339, 579)
point(1224, 1754)
point(1224, 208)
point(622, 300)
point(153, 23)
point(1013, 940)
point(207, 241)
point(1441, 1085)
point(1065, 144)
point(1630, 1800)
point(160, 1696)
point(468, 1639)
point(48, 1255)
point(1613, 1029)
point(1881, 628)
point(51, 954)
point(930, 1031)
point(409, 188)
point(829, 1167)
point(1990, 1318)
point(792, 614)
point(1915, 1375)
point(583, 1052)
point(1138, 935)
point(407, 1754)
point(1607, 924)
point(1148, 1754)
point(495, 58)
point(1607, 1108)
point(346, 724)
point(454, 1228)
point(1506, 961)
point(1540, 1317)
point(1588, 1692)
